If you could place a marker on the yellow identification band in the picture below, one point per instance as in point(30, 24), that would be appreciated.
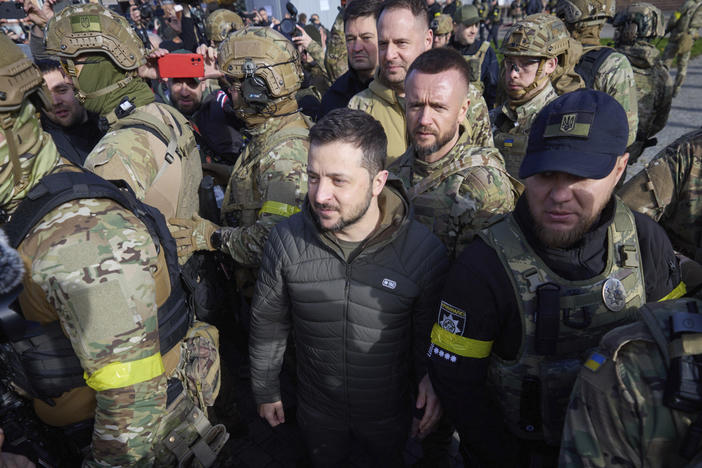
point(466, 347)
point(679, 291)
point(124, 374)
point(277, 208)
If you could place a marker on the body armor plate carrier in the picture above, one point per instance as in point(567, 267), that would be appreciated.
point(49, 366)
point(561, 321)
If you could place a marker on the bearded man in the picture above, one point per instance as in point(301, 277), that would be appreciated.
point(357, 279)
point(525, 301)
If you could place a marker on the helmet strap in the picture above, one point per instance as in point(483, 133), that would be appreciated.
point(83, 96)
point(519, 97)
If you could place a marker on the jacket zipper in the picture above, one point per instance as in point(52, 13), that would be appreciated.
point(345, 341)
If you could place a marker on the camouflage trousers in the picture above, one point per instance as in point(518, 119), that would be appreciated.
point(678, 51)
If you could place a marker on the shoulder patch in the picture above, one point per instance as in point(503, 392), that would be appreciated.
point(595, 361)
point(451, 318)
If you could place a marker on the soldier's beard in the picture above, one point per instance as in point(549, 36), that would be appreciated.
point(439, 142)
point(356, 212)
point(562, 239)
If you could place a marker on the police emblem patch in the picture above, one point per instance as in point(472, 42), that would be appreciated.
point(568, 122)
point(614, 294)
point(452, 319)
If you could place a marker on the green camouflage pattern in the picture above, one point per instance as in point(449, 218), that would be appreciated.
point(336, 58)
point(319, 75)
point(272, 168)
point(468, 190)
point(616, 416)
point(683, 26)
point(654, 88)
point(669, 190)
point(556, 373)
point(616, 78)
point(383, 104)
point(93, 261)
point(136, 155)
point(510, 127)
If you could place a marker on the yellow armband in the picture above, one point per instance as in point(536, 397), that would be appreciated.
point(124, 374)
point(277, 208)
point(466, 347)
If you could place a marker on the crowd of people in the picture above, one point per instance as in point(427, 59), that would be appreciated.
point(424, 228)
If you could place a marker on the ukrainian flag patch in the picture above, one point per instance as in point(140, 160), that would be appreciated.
point(509, 142)
point(595, 361)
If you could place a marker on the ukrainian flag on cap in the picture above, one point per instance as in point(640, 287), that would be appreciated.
point(595, 361)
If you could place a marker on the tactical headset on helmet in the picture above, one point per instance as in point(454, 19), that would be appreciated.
point(20, 80)
point(588, 12)
point(539, 35)
point(265, 64)
point(442, 24)
point(92, 28)
point(640, 21)
point(220, 23)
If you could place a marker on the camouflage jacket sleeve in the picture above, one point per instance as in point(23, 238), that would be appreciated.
point(478, 119)
point(336, 60)
point(486, 194)
point(316, 52)
point(616, 415)
point(616, 78)
point(94, 261)
point(282, 178)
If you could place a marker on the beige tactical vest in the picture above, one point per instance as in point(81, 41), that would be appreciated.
point(534, 389)
point(174, 191)
point(475, 63)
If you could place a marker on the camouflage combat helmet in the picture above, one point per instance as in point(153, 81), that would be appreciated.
point(92, 28)
point(589, 12)
point(442, 24)
point(538, 35)
point(640, 21)
point(20, 80)
point(265, 65)
point(22, 90)
point(220, 23)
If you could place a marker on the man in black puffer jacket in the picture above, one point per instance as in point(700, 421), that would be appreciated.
point(358, 280)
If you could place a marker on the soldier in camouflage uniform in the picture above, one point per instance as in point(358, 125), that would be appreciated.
point(620, 413)
point(683, 27)
point(220, 23)
point(98, 284)
point(637, 27)
point(149, 145)
point(406, 20)
point(542, 285)
point(336, 56)
point(457, 189)
point(601, 67)
point(533, 46)
point(269, 180)
point(667, 190)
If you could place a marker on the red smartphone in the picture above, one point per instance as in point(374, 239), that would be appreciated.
point(181, 66)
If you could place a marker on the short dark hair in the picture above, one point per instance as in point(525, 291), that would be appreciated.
point(362, 9)
point(417, 7)
point(49, 65)
point(439, 60)
point(356, 128)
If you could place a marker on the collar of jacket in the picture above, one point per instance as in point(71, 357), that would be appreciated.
point(383, 92)
point(395, 211)
point(581, 261)
point(532, 106)
point(423, 169)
